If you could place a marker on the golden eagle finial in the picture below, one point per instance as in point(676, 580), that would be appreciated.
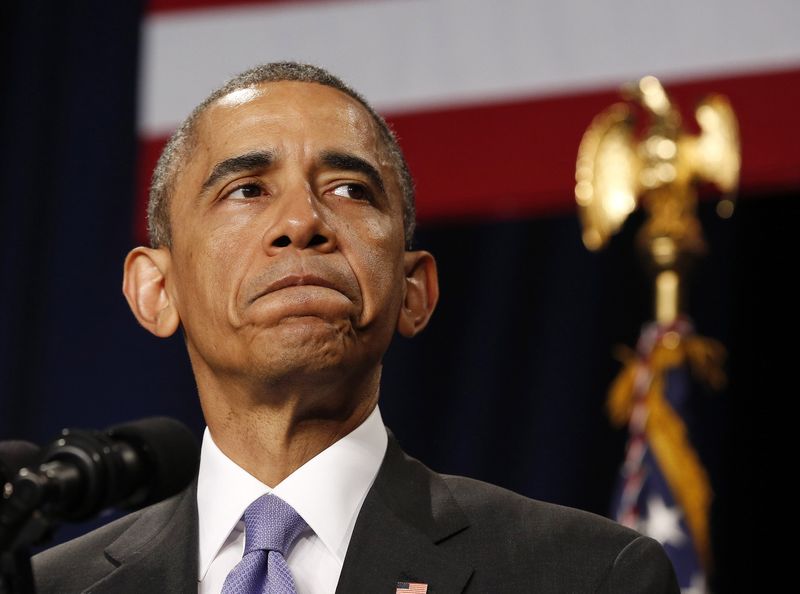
point(618, 169)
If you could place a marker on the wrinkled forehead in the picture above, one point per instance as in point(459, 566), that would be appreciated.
point(289, 111)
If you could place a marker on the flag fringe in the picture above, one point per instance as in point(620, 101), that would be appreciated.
point(663, 427)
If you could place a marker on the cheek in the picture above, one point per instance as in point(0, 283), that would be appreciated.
point(378, 265)
point(215, 261)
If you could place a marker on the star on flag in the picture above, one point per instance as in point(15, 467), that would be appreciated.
point(663, 522)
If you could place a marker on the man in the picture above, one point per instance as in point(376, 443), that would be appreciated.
point(281, 218)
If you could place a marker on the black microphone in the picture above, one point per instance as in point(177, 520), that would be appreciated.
point(130, 465)
point(15, 454)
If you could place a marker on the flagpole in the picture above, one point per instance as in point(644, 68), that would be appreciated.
point(664, 490)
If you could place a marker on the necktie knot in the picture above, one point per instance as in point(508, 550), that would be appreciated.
point(271, 527)
point(271, 524)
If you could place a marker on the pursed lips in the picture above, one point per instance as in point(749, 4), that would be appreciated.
point(296, 280)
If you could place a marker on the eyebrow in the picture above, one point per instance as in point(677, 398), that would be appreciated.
point(255, 161)
point(349, 162)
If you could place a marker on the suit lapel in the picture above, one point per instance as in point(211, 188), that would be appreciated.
point(408, 511)
point(158, 553)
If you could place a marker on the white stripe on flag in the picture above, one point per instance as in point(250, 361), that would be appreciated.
point(412, 54)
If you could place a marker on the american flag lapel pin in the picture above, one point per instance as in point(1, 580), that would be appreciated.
point(411, 588)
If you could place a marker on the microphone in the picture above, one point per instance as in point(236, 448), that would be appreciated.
point(15, 454)
point(130, 465)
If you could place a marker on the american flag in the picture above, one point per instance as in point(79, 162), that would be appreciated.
point(663, 491)
point(411, 588)
point(525, 76)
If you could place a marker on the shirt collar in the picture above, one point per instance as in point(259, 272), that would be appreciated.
point(327, 491)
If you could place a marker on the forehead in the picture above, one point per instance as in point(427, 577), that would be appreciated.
point(288, 116)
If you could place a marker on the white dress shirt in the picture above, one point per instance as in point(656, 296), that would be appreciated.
point(327, 492)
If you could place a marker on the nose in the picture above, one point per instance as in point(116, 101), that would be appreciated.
point(296, 221)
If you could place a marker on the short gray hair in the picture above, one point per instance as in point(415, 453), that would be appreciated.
point(182, 141)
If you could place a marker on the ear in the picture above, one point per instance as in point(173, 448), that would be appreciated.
point(144, 286)
point(421, 295)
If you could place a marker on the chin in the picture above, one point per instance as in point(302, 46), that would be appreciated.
point(307, 345)
point(299, 330)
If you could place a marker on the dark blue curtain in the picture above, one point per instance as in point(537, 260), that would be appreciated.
point(507, 385)
point(69, 354)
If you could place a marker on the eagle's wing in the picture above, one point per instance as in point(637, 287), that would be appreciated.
point(607, 175)
point(714, 155)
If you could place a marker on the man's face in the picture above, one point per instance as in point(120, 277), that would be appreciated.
point(287, 236)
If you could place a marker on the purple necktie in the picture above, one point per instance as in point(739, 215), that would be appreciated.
point(271, 526)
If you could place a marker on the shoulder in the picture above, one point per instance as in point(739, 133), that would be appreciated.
point(79, 563)
point(73, 565)
point(517, 544)
point(567, 549)
point(488, 505)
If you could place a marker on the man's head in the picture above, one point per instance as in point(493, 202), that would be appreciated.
point(285, 256)
point(180, 145)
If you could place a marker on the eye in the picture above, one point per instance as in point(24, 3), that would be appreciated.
point(353, 191)
point(246, 191)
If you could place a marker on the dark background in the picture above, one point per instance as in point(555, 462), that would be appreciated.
point(507, 384)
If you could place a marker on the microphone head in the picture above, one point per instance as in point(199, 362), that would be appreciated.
point(169, 453)
point(15, 454)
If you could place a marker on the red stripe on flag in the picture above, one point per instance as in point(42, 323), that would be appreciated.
point(517, 159)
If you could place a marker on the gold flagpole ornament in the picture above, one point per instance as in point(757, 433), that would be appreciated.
point(616, 172)
point(625, 163)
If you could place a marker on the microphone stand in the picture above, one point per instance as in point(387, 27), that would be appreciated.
point(16, 575)
point(22, 525)
point(84, 472)
point(27, 515)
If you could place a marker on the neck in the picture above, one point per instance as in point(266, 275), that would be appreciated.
point(272, 431)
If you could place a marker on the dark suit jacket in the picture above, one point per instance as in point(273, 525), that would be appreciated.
point(452, 533)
